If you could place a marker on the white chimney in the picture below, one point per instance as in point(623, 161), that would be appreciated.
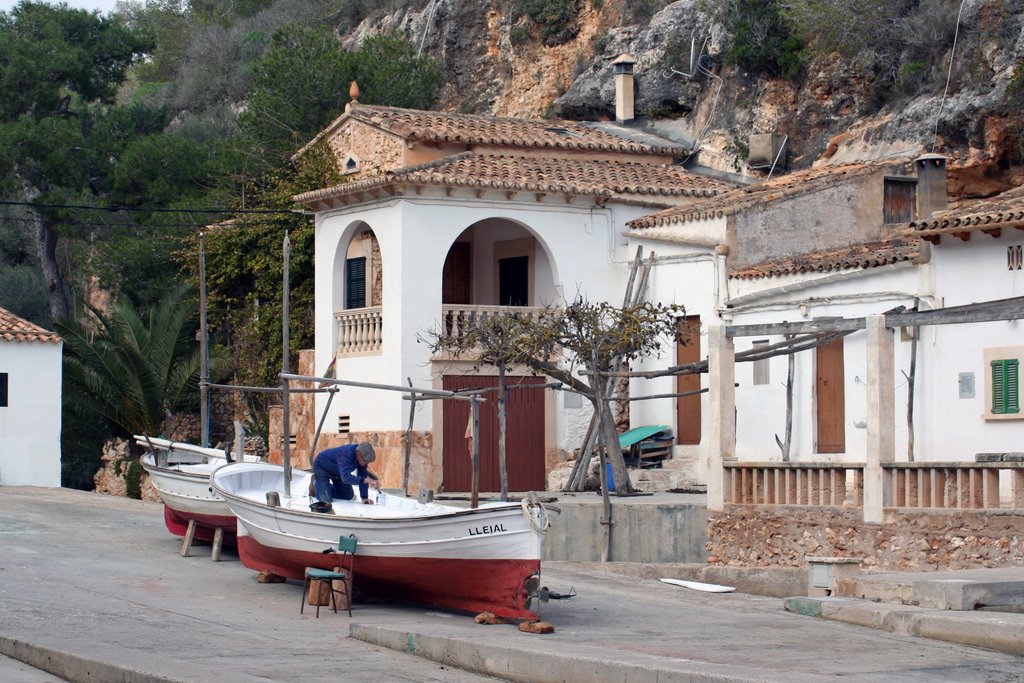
point(623, 65)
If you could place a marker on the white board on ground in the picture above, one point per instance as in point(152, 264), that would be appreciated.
point(698, 586)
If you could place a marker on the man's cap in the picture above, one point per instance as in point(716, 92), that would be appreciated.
point(366, 450)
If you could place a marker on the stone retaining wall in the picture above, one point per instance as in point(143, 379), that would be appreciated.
point(764, 536)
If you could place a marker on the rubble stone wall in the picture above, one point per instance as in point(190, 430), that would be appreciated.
point(764, 536)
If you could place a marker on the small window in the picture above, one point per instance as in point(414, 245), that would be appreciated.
point(3, 389)
point(1013, 257)
point(355, 282)
point(350, 164)
point(1005, 387)
point(760, 366)
point(899, 201)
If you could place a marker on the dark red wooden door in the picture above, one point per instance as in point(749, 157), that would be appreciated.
point(524, 433)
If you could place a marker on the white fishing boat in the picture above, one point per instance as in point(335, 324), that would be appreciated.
point(472, 560)
point(180, 473)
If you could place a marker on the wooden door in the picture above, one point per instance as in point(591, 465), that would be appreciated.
point(456, 278)
point(525, 436)
point(688, 407)
point(830, 393)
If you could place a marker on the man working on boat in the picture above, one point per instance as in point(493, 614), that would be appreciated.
point(337, 470)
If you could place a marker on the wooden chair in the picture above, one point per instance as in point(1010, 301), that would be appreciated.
point(346, 546)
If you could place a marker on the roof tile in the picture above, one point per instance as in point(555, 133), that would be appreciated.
point(983, 214)
point(475, 129)
point(858, 256)
point(13, 328)
point(578, 176)
point(780, 187)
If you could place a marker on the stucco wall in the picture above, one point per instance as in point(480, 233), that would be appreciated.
point(30, 423)
point(839, 215)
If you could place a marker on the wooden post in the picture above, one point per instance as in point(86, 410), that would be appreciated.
point(204, 353)
point(474, 408)
point(502, 402)
point(186, 542)
point(286, 250)
point(408, 440)
point(218, 541)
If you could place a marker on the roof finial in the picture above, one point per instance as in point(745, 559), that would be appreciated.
point(353, 93)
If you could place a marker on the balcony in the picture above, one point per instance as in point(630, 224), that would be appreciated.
point(359, 331)
point(458, 318)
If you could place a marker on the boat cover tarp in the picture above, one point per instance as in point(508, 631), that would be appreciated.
point(627, 439)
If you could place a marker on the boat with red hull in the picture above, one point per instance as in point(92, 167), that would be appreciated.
point(471, 560)
point(180, 472)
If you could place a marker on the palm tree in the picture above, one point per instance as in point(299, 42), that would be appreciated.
point(134, 372)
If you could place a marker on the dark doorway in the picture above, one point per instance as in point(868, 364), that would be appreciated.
point(514, 281)
point(457, 277)
point(525, 432)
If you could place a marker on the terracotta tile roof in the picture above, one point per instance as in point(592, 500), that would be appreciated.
point(530, 174)
point(780, 187)
point(858, 256)
point(991, 214)
point(13, 328)
point(474, 129)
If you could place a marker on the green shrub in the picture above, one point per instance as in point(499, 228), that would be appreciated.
point(519, 34)
point(761, 39)
point(556, 18)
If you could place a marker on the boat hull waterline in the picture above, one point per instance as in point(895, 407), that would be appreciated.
point(184, 488)
point(471, 560)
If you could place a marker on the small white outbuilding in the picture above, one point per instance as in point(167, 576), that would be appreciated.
point(30, 403)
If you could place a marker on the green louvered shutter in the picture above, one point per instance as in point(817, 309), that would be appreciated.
point(1005, 387)
point(355, 282)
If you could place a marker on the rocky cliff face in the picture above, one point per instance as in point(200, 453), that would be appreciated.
point(496, 61)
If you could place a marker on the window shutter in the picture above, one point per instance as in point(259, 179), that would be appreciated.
point(1005, 386)
point(1012, 386)
point(3, 389)
point(355, 282)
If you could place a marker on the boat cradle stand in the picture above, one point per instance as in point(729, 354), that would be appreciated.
point(190, 534)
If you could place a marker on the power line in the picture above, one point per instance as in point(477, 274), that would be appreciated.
point(121, 224)
point(115, 209)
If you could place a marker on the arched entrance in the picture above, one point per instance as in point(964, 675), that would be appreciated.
point(495, 266)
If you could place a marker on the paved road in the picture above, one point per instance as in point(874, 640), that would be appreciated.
point(14, 671)
point(99, 579)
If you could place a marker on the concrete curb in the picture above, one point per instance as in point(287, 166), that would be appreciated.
point(989, 630)
point(542, 665)
point(76, 668)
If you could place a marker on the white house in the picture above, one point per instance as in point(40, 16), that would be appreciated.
point(451, 216)
point(30, 403)
point(839, 242)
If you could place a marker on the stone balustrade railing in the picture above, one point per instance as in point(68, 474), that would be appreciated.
point(359, 331)
point(460, 317)
point(905, 485)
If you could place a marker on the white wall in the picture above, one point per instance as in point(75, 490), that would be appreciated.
point(30, 424)
point(761, 409)
point(967, 272)
point(579, 247)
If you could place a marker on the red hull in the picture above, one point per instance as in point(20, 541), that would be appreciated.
point(177, 524)
point(497, 586)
